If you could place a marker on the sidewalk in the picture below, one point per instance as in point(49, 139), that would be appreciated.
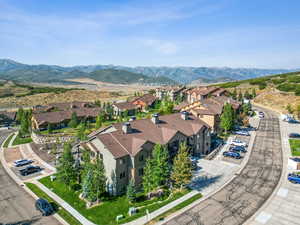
point(283, 206)
point(10, 144)
point(64, 204)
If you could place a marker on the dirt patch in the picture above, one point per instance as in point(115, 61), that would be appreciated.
point(12, 154)
point(46, 98)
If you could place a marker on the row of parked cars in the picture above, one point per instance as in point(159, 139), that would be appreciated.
point(237, 147)
point(29, 169)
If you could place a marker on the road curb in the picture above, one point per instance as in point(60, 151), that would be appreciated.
point(283, 172)
point(214, 192)
point(21, 183)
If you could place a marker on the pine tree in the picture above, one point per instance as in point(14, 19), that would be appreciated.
point(99, 179)
point(227, 117)
point(289, 109)
point(161, 169)
point(240, 97)
point(234, 94)
point(74, 120)
point(81, 131)
point(24, 129)
point(131, 192)
point(20, 115)
point(247, 95)
point(148, 181)
point(182, 167)
point(65, 169)
point(87, 186)
point(253, 93)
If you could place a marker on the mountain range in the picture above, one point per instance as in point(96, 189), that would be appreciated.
point(12, 70)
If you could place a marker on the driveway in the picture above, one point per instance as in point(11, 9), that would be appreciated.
point(16, 206)
point(246, 193)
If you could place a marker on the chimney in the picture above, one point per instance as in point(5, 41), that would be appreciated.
point(185, 115)
point(155, 119)
point(126, 128)
point(132, 118)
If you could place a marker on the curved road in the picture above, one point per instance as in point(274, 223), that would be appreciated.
point(16, 205)
point(246, 193)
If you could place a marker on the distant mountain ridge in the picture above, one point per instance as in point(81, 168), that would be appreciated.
point(11, 70)
point(124, 74)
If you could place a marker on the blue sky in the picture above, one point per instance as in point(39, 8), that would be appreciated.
point(234, 33)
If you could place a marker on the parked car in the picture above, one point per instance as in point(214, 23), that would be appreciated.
point(22, 162)
point(294, 135)
point(242, 132)
point(235, 155)
point(239, 143)
point(238, 149)
point(294, 178)
point(29, 170)
point(292, 121)
point(44, 207)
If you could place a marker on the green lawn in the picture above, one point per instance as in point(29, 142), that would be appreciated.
point(177, 207)
point(19, 140)
point(61, 211)
point(104, 214)
point(5, 145)
point(295, 147)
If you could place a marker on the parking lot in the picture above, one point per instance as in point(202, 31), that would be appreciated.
point(17, 153)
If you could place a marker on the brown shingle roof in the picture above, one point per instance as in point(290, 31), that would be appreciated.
point(125, 106)
point(120, 144)
point(148, 99)
point(60, 116)
point(10, 115)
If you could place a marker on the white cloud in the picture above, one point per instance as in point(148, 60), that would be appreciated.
point(162, 47)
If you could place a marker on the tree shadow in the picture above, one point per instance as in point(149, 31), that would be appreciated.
point(203, 181)
point(24, 222)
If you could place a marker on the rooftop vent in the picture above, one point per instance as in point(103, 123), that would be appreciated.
point(155, 118)
point(185, 115)
point(126, 127)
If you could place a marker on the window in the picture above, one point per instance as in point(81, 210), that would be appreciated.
point(122, 175)
point(122, 161)
point(141, 172)
point(141, 158)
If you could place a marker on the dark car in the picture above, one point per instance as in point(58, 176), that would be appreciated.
point(294, 178)
point(294, 135)
point(22, 162)
point(235, 155)
point(238, 149)
point(29, 170)
point(44, 207)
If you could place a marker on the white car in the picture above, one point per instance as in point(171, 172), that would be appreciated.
point(238, 143)
point(242, 132)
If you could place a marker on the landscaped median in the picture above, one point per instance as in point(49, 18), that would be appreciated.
point(21, 140)
point(60, 211)
point(111, 207)
point(6, 143)
point(295, 147)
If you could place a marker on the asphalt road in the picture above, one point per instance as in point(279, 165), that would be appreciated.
point(16, 205)
point(246, 193)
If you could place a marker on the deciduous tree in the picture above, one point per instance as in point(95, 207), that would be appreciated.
point(227, 118)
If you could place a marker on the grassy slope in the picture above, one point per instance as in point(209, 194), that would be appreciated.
point(5, 145)
point(19, 140)
point(105, 213)
point(275, 91)
point(61, 211)
point(295, 147)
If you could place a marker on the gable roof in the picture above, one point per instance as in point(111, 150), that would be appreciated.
point(126, 106)
point(148, 99)
point(143, 131)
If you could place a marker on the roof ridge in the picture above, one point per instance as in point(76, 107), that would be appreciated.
point(119, 143)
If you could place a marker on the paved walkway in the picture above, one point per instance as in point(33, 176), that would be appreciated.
point(284, 206)
point(64, 204)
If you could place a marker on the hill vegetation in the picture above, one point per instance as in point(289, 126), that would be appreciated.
point(11, 70)
point(287, 82)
